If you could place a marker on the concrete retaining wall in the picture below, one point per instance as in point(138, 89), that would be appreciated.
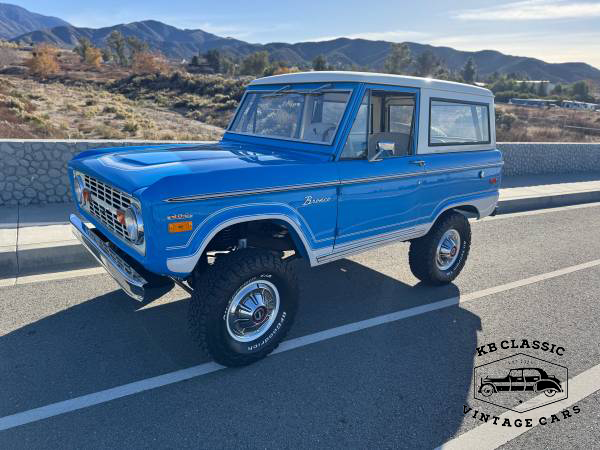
point(549, 158)
point(34, 171)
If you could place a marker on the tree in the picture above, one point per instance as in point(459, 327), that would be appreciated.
point(136, 46)
point(116, 43)
point(542, 90)
point(195, 62)
point(84, 44)
point(106, 54)
point(399, 60)
point(558, 90)
point(44, 61)
point(213, 59)
point(89, 54)
point(428, 64)
point(469, 71)
point(255, 64)
point(580, 91)
point(319, 63)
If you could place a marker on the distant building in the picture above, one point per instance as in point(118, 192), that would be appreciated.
point(547, 86)
point(532, 102)
point(569, 104)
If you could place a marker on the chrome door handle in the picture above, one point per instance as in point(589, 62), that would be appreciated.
point(418, 162)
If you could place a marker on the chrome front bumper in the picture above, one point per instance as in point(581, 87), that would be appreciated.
point(123, 273)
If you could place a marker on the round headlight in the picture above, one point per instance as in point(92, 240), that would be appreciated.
point(79, 186)
point(134, 224)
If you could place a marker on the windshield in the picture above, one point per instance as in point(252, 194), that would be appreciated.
point(311, 116)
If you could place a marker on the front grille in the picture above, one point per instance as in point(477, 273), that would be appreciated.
point(104, 203)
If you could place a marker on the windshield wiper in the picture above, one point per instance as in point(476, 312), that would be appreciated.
point(284, 90)
point(278, 91)
point(319, 89)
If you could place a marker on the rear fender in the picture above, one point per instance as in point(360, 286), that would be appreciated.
point(472, 206)
point(547, 384)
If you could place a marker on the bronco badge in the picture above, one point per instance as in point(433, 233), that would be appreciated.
point(310, 200)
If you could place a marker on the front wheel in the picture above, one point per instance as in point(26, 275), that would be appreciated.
point(243, 306)
point(439, 256)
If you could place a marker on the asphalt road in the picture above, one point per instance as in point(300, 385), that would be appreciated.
point(399, 384)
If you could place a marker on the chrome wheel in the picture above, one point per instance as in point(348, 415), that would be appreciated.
point(448, 250)
point(252, 311)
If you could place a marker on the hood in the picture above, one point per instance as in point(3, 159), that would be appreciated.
point(181, 170)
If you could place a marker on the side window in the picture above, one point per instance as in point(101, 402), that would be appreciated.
point(356, 144)
point(456, 123)
point(531, 373)
point(386, 127)
point(516, 373)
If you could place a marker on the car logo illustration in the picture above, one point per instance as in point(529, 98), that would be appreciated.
point(521, 379)
point(520, 382)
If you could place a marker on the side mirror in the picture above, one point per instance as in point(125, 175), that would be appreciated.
point(379, 149)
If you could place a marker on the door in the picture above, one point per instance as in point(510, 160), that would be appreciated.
point(379, 196)
point(517, 381)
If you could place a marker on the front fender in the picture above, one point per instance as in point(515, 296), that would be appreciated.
point(189, 253)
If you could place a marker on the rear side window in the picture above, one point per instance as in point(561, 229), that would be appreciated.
point(458, 123)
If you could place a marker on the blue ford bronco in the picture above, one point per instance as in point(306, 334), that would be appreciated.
point(318, 166)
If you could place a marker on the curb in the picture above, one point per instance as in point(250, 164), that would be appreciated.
point(33, 259)
point(550, 201)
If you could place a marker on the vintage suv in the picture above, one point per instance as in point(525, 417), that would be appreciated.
point(318, 166)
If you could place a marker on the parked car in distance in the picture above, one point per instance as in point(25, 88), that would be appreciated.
point(317, 166)
point(521, 380)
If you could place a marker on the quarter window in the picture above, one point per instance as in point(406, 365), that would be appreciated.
point(457, 123)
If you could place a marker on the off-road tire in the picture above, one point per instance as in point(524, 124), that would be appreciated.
point(215, 289)
point(422, 253)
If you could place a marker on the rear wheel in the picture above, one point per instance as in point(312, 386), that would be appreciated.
point(243, 305)
point(439, 256)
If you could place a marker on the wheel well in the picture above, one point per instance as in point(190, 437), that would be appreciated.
point(469, 211)
point(271, 234)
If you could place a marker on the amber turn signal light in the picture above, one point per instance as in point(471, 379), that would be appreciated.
point(180, 227)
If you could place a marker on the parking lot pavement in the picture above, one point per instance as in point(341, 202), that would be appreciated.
point(393, 383)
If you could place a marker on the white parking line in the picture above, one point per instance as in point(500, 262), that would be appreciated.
point(490, 436)
point(136, 387)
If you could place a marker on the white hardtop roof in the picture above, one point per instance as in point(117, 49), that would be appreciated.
point(375, 78)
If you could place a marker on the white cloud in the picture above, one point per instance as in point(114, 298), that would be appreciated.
point(572, 47)
point(393, 36)
point(533, 10)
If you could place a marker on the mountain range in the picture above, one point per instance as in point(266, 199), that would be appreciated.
point(15, 21)
point(180, 44)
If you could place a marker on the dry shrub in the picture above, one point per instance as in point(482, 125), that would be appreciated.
point(44, 61)
point(93, 57)
point(145, 63)
point(284, 70)
point(8, 56)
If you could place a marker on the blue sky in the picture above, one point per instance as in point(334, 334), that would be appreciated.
point(552, 30)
